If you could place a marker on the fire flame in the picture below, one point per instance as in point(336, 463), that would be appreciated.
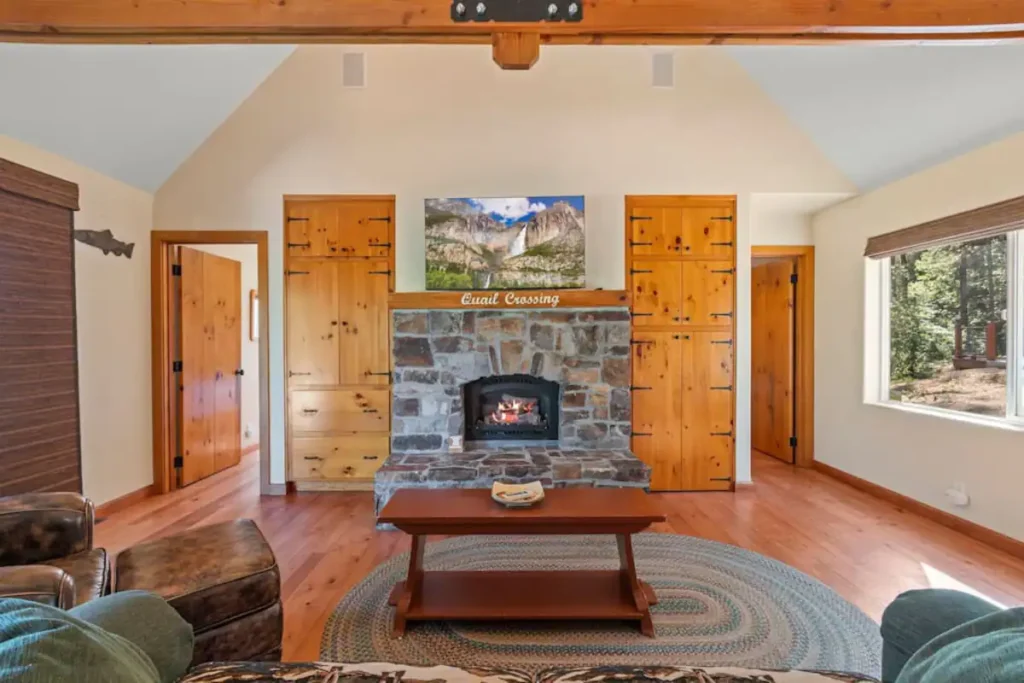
point(508, 412)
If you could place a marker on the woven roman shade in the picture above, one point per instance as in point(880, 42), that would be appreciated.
point(985, 221)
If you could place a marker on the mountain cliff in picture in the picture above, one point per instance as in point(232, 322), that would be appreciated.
point(505, 243)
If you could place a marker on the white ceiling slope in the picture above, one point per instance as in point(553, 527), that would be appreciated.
point(133, 113)
point(880, 113)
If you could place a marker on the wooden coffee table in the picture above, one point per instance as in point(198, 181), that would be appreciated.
point(522, 595)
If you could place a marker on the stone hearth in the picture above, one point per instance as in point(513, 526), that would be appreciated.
point(553, 467)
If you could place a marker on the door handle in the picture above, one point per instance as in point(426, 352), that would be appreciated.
point(239, 372)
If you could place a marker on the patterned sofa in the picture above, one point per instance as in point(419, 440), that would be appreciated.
point(274, 672)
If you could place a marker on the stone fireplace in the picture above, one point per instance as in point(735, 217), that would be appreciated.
point(535, 394)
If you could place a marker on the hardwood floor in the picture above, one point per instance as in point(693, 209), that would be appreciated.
point(866, 549)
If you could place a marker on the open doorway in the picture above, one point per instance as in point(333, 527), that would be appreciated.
point(210, 355)
point(782, 352)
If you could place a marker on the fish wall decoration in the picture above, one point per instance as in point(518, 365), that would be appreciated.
point(105, 241)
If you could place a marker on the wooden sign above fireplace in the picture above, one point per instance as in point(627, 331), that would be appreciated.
point(510, 298)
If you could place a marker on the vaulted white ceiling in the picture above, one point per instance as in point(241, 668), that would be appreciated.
point(877, 112)
point(134, 113)
point(883, 112)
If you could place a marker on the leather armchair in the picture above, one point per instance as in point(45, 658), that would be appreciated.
point(43, 532)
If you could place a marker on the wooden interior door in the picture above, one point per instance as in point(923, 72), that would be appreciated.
point(657, 292)
point(210, 341)
point(313, 324)
point(708, 433)
point(772, 358)
point(364, 343)
point(657, 404)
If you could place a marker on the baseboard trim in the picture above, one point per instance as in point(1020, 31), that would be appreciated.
point(125, 501)
point(250, 449)
point(980, 533)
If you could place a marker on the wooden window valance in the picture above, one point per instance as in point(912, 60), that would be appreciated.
point(985, 221)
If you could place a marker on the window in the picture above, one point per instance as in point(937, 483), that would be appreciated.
point(952, 327)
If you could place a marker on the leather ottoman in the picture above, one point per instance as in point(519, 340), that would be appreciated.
point(223, 579)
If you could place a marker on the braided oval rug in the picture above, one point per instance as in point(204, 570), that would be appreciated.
point(718, 605)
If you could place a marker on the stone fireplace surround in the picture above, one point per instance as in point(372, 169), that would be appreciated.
point(435, 352)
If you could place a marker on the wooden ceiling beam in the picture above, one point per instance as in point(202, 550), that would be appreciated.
point(604, 21)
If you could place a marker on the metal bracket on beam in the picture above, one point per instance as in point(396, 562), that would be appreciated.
point(503, 11)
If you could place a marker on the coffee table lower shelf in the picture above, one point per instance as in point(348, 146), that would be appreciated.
point(522, 596)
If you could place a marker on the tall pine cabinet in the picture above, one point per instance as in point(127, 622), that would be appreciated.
point(339, 269)
point(681, 270)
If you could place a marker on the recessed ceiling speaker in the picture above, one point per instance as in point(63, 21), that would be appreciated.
point(353, 70)
point(663, 70)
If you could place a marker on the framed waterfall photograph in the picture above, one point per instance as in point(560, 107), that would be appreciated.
point(505, 242)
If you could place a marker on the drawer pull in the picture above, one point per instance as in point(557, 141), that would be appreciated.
point(311, 457)
point(371, 457)
point(310, 411)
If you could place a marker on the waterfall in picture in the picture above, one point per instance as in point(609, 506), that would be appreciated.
point(518, 245)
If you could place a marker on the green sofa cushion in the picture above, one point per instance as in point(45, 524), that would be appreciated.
point(989, 649)
point(41, 644)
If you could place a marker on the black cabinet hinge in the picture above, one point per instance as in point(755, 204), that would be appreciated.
point(636, 388)
point(176, 269)
point(292, 219)
point(721, 244)
point(728, 271)
point(384, 245)
point(728, 388)
point(792, 442)
point(379, 272)
point(379, 374)
point(640, 315)
point(720, 479)
point(292, 245)
point(792, 278)
point(296, 272)
point(720, 315)
point(176, 366)
point(643, 434)
point(179, 462)
point(722, 341)
point(380, 219)
point(640, 244)
point(721, 218)
point(641, 218)
point(637, 342)
point(721, 433)
point(634, 271)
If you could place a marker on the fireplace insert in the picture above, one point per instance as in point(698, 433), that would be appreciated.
point(511, 407)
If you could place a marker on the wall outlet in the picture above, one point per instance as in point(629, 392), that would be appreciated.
point(957, 495)
point(248, 430)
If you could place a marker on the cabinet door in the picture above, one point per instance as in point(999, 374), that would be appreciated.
point(340, 410)
point(364, 342)
point(657, 403)
point(709, 232)
point(656, 230)
point(707, 292)
point(657, 292)
point(707, 410)
point(364, 228)
point(312, 299)
point(312, 229)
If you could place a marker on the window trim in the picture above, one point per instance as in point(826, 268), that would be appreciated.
point(1014, 416)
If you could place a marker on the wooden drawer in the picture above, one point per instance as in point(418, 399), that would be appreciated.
point(356, 456)
point(341, 410)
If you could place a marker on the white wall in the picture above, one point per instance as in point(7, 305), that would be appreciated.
point(784, 219)
point(113, 327)
point(911, 453)
point(445, 121)
point(246, 255)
